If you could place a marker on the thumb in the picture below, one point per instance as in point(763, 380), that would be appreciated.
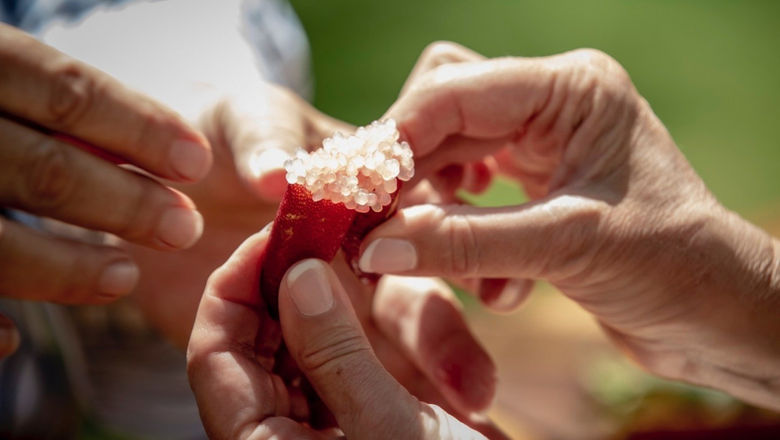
point(325, 338)
point(546, 238)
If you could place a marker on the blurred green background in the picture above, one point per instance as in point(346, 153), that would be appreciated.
point(709, 68)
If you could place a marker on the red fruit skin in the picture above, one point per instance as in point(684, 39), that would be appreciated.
point(302, 229)
point(361, 226)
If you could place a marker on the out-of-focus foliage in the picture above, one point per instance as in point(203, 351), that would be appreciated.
point(709, 68)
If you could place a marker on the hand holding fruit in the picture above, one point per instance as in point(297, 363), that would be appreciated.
point(618, 221)
point(363, 353)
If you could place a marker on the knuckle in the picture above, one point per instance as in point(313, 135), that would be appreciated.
point(463, 248)
point(440, 52)
point(575, 239)
point(51, 178)
point(139, 141)
point(599, 65)
point(604, 88)
point(594, 59)
point(329, 350)
point(73, 289)
point(71, 94)
point(592, 56)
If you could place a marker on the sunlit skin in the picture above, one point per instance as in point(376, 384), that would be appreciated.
point(235, 203)
point(618, 221)
point(45, 96)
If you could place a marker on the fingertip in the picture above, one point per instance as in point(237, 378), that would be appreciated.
point(9, 337)
point(470, 375)
point(267, 174)
point(253, 245)
point(503, 295)
point(271, 185)
point(477, 177)
point(237, 278)
point(179, 228)
point(308, 285)
point(265, 160)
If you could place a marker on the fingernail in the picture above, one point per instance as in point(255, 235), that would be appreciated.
point(189, 159)
point(180, 227)
point(309, 288)
point(265, 161)
point(388, 255)
point(118, 278)
point(267, 173)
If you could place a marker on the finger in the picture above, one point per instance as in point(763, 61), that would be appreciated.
point(485, 99)
point(325, 338)
point(478, 176)
point(43, 268)
point(428, 191)
point(504, 295)
point(544, 101)
point(235, 393)
point(43, 86)
point(436, 54)
point(550, 238)
point(49, 178)
point(533, 176)
point(474, 177)
point(264, 128)
point(9, 337)
point(421, 316)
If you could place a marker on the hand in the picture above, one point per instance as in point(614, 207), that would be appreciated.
point(412, 327)
point(439, 182)
point(50, 103)
point(251, 137)
point(618, 220)
point(252, 125)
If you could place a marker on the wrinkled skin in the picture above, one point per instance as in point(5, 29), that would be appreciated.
point(618, 220)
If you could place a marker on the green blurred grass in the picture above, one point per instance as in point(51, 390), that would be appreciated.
point(709, 68)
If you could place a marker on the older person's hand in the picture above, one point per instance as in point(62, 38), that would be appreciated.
point(357, 352)
point(619, 221)
point(49, 103)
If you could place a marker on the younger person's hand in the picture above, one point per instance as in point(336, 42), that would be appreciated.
point(360, 354)
point(48, 104)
